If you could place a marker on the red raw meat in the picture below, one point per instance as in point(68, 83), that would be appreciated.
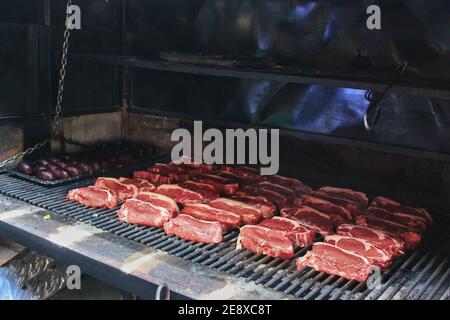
point(325, 257)
point(120, 190)
point(228, 220)
point(221, 184)
point(358, 197)
point(206, 190)
point(271, 195)
point(351, 206)
point(192, 229)
point(267, 208)
point(159, 200)
point(179, 194)
point(135, 211)
point(242, 173)
point(177, 174)
point(402, 218)
point(298, 186)
point(411, 236)
point(297, 233)
point(394, 206)
point(266, 241)
point(248, 214)
point(363, 247)
point(153, 177)
point(311, 218)
point(141, 184)
point(324, 206)
point(187, 163)
point(285, 191)
point(382, 239)
point(93, 197)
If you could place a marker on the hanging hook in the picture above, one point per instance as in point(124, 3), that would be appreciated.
point(374, 109)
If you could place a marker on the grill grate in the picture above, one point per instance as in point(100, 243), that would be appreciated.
point(422, 274)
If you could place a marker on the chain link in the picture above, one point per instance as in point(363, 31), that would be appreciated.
point(58, 128)
point(24, 153)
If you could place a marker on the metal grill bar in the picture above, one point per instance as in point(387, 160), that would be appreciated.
point(424, 273)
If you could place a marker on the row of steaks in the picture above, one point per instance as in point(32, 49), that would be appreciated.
point(275, 214)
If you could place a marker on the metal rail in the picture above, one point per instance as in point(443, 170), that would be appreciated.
point(421, 274)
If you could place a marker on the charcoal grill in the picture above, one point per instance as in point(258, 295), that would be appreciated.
point(421, 274)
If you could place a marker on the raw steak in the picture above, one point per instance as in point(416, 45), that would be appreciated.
point(325, 257)
point(221, 184)
point(159, 200)
point(365, 248)
point(93, 197)
point(135, 211)
point(192, 229)
point(242, 173)
point(227, 220)
point(179, 194)
point(120, 190)
point(382, 239)
point(266, 241)
point(141, 184)
point(285, 191)
point(267, 208)
point(248, 214)
point(177, 174)
point(311, 218)
point(394, 206)
point(402, 218)
point(206, 190)
point(351, 206)
point(153, 177)
point(324, 206)
point(358, 197)
point(271, 195)
point(411, 236)
point(297, 233)
point(299, 187)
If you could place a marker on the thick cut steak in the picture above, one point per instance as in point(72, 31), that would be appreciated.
point(93, 197)
point(358, 197)
point(285, 191)
point(411, 236)
point(363, 247)
point(179, 194)
point(242, 173)
point(174, 172)
point(135, 211)
point(248, 214)
point(141, 184)
point(120, 190)
point(266, 241)
point(325, 257)
point(153, 177)
point(394, 206)
point(384, 240)
point(311, 218)
point(267, 208)
point(206, 190)
point(159, 200)
point(192, 229)
point(278, 199)
point(299, 187)
point(228, 220)
point(324, 206)
point(351, 206)
point(297, 233)
point(221, 184)
point(402, 218)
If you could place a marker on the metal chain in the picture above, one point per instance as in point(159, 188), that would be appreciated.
point(58, 128)
point(23, 153)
